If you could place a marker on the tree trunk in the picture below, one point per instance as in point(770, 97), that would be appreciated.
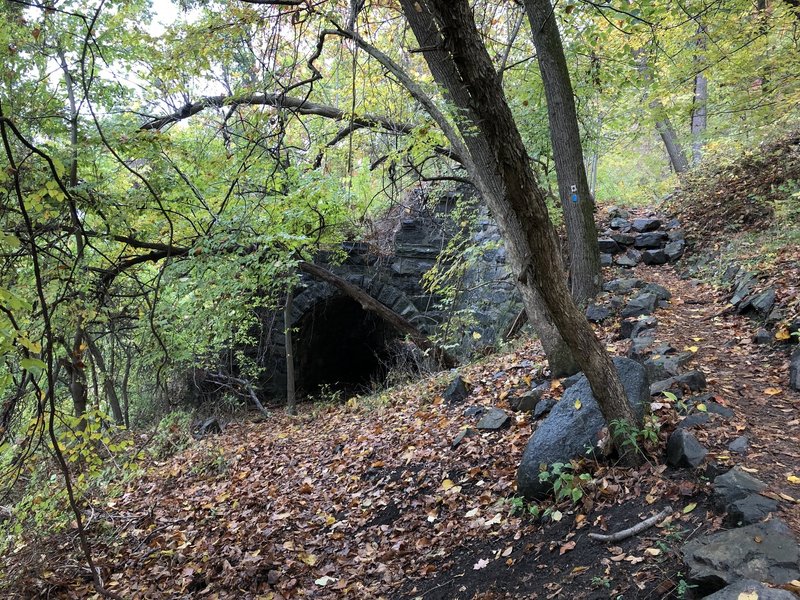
point(699, 111)
point(108, 382)
point(487, 177)
point(677, 157)
point(573, 187)
point(291, 395)
point(524, 206)
point(369, 303)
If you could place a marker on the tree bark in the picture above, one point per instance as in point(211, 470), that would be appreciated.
point(524, 206)
point(369, 303)
point(487, 177)
point(108, 382)
point(699, 110)
point(291, 395)
point(573, 187)
point(677, 157)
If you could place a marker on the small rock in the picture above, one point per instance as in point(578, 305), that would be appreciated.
point(718, 409)
point(660, 367)
point(675, 235)
point(462, 435)
point(748, 588)
point(763, 552)
point(456, 391)
point(494, 419)
point(744, 285)
point(735, 485)
point(739, 445)
point(543, 407)
point(643, 225)
point(568, 382)
point(730, 273)
point(606, 260)
point(794, 370)
point(654, 257)
point(526, 402)
point(597, 314)
point(474, 411)
point(683, 450)
point(608, 245)
point(672, 224)
point(749, 510)
point(654, 239)
point(764, 302)
point(643, 304)
point(660, 291)
point(616, 212)
point(640, 347)
point(693, 380)
point(694, 420)
point(623, 286)
point(616, 302)
point(762, 336)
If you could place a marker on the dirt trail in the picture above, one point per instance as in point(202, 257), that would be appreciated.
point(750, 379)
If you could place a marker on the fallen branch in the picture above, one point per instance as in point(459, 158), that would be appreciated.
point(631, 531)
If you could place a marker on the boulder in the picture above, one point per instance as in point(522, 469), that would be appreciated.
point(794, 369)
point(735, 485)
point(643, 304)
point(694, 420)
point(760, 304)
point(568, 382)
point(762, 336)
point(660, 291)
point(567, 432)
point(616, 212)
point(624, 239)
point(526, 402)
point(474, 411)
point(642, 225)
point(608, 245)
point(762, 552)
point(674, 250)
point(640, 347)
point(631, 258)
point(596, 313)
point(456, 391)
point(683, 450)
point(632, 328)
point(750, 589)
point(654, 239)
point(744, 285)
point(692, 380)
point(654, 257)
point(620, 223)
point(749, 510)
point(675, 235)
point(606, 260)
point(543, 407)
point(494, 419)
point(623, 286)
point(660, 367)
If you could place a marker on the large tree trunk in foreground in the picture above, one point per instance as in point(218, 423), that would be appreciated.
point(369, 303)
point(573, 188)
point(487, 177)
point(524, 206)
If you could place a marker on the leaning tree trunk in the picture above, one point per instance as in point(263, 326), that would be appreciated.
point(677, 157)
point(559, 356)
point(573, 187)
point(699, 111)
point(524, 205)
point(108, 382)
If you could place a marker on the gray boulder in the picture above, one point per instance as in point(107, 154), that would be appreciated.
point(633, 328)
point(762, 336)
point(645, 224)
point(631, 258)
point(739, 445)
point(624, 239)
point(608, 245)
point(596, 313)
point(752, 509)
point(654, 257)
point(467, 432)
point(763, 552)
point(683, 450)
point(652, 240)
point(568, 432)
point(526, 402)
point(750, 589)
point(794, 370)
point(606, 260)
point(735, 485)
point(660, 291)
point(623, 286)
point(691, 380)
point(643, 304)
point(744, 285)
point(543, 407)
point(620, 223)
point(761, 304)
point(495, 418)
point(674, 250)
point(456, 391)
point(694, 421)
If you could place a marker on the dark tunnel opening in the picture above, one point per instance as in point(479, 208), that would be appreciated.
point(341, 347)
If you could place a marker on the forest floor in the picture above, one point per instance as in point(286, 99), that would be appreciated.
point(367, 499)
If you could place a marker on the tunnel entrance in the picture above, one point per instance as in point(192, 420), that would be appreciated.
point(342, 347)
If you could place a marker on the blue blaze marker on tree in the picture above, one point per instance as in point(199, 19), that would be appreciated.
point(574, 197)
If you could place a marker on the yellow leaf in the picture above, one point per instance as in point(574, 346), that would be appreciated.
point(747, 596)
point(697, 339)
point(309, 559)
point(652, 551)
point(556, 515)
point(447, 484)
point(794, 479)
point(689, 508)
point(476, 335)
point(578, 404)
point(773, 391)
point(701, 407)
point(782, 334)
